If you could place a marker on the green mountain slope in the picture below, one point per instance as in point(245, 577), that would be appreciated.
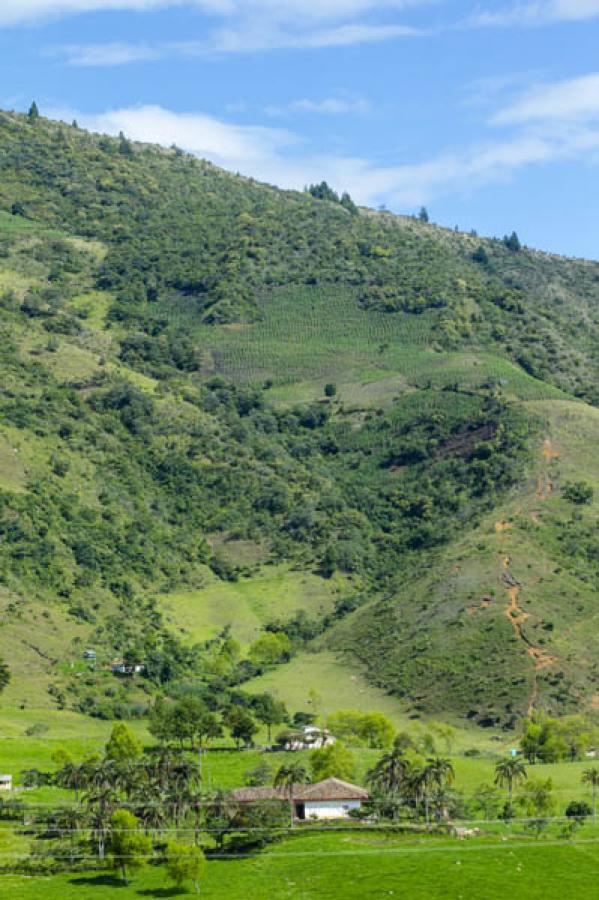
point(171, 464)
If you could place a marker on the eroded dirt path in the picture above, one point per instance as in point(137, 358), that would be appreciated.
point(540, 658)
point(544, 481)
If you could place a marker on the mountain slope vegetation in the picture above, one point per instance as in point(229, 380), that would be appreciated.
point(207, 380)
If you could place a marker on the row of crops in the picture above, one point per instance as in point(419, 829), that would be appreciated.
point(322, 334)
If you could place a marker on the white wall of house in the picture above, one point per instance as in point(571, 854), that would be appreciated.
point(330, 809)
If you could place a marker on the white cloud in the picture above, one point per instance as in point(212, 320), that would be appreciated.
point(280, 157)
point(249, 39)
point(574, 100)
point(13, 12)
point(331, 106)
point(115, 54)
point(542, 12)
point(229, 145)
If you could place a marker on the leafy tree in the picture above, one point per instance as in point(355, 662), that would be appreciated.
point(334, 761)
point(578, 810)
point(330, 389)
point(241, 725)
point(34, 113)
point(591, 777)
point(322, 191)
point(508, 773)
point(372, 729)
point(423, 214)
point(376, 730)
point(189, 719)
point(480, 255)
point(486, 801)
point(122, 745)
point(348, 203)
point(579, 492)
point(259, 776)
point(270, 648)
point(537, 803)
point(185, 863)
point(269, 711)
point(290, 776)
point(542, 740)
point(512, 242)
point(130, 848)
point(125, 146)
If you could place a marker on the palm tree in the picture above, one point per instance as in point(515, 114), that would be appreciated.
point(510, 772)
point(288, 777)
point(72, 776)
point(102, 782)
point(434, 776)
point(390, 774)
point(591, 776)
point(101, 803)
point(437, 775)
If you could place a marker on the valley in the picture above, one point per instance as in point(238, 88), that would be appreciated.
point(269, 463)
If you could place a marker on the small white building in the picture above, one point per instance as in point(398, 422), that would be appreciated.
point(122, 667)
point(310, 737)
point(5, 782)
point(328, 799)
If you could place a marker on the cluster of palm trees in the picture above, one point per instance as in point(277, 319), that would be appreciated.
point(398, 781)
point(511, 772)
point(159, 789)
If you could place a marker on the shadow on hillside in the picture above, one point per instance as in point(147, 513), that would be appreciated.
point(99, 881)
point(163, 892)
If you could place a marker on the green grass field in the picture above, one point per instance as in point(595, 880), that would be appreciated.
point(355, 866)
point(246, 605)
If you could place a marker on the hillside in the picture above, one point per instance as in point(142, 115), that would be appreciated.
point(225, 405)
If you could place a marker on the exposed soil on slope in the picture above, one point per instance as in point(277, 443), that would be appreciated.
point(540, 657)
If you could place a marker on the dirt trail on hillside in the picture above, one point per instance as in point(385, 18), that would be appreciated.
point(540, 657)
point(544, 481)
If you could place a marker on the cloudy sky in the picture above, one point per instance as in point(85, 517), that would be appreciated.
point(485, 111)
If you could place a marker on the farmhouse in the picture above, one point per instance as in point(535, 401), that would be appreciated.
point(328, 799)
point(5, 782)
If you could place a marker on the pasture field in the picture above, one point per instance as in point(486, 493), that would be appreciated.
point(360, 865)
point(275, 592)
point(225, 767)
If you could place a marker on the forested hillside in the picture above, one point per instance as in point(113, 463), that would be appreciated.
point(206, 379)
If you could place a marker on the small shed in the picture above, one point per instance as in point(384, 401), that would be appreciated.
point(5, 782)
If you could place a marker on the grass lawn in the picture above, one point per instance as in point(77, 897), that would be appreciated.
point(343, 866)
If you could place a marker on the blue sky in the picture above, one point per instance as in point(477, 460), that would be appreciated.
point(487, 112)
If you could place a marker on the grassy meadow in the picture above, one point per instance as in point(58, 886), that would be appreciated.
point(273, 592)
point(356, 866)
